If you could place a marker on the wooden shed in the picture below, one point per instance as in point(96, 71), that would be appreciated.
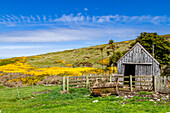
point(138, 62)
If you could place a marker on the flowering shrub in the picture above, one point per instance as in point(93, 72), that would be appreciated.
point(38, 74)
point(60, 61)
point(126, 42)
point(105, 61)
point(68, 65)
point(36, 56)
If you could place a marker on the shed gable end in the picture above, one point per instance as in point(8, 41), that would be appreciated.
point(138, 54)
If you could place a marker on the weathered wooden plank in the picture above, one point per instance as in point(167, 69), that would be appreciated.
point(131, 89)
point(87, 82)
point(142, 81)
point(77, 83)
point(142, 77)
point(142, 85)
point(77, 77)
point(124, 81)
point(161, 82)
point(97, 76)
point(154, 82)
point(67, 83)
point(72, 81)
point(63, 83)
point(157, 83)
point(78, 86)
point(164, 83)
point(137, 63)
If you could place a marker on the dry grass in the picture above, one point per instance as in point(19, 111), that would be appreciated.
point(88, 54)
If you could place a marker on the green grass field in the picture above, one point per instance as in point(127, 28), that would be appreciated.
point(77, 102)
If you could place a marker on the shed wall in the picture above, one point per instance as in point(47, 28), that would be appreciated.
point(138, 55)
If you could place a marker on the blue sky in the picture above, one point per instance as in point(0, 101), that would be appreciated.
point(31, 27)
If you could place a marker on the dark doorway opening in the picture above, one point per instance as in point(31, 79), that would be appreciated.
point(129, 70)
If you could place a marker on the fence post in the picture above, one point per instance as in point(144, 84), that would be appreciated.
point(157, 83)
point(164, 83)
point(131, 83)
point(18, 92)
point(154, 83)
point(87, 81)
point(67, 83)
point(161, 83)
point(63, 83)
point(110, 78)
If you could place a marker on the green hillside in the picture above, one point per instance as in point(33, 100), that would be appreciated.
point(87, 54)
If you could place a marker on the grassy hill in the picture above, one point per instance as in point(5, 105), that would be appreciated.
point(75, 56)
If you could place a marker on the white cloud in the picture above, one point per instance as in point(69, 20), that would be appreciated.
point(19, 47)
point(82, 18)
point(44, 18)
point(38, 17)
point(68, 34)
point(53, 35)
point(85, 9)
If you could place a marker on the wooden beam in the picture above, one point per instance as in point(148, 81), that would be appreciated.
point(154, 83)
point(131, 83)
point(64, 83)
point(67, 83)
point(87, 81)
point(137, 63)
point(164, 83)
point(110, 78)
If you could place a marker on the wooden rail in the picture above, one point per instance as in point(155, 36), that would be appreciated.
point(157, 83)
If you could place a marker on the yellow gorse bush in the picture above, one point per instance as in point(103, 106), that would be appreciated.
point(68, 65)
point(126, 42)
point(105, 61)
point(60, 61)
point(38, 74)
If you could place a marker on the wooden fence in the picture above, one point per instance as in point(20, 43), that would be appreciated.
point(163, 83)
point(152, 83)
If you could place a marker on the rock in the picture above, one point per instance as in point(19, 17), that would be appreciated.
point(117, 97)
point(125, 96)
point(130, 96)
point(95, 101)
point(167, 96)
point(86, 95)
point(151, 100)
